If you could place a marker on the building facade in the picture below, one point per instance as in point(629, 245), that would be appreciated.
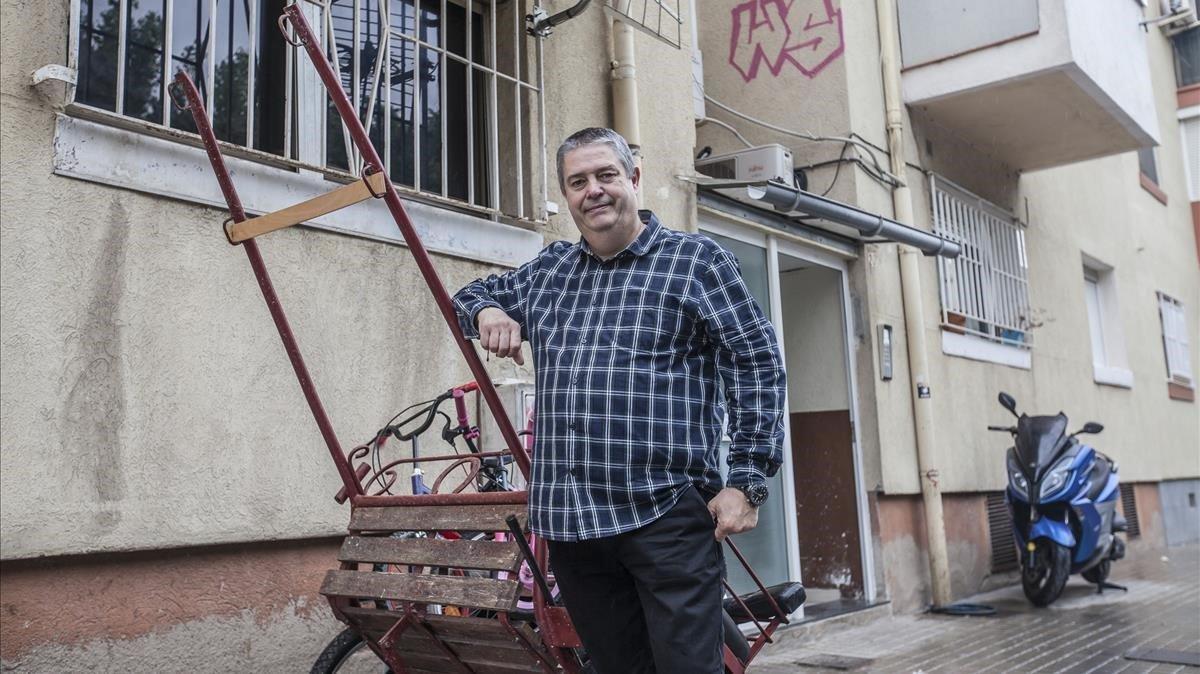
point(166, 496)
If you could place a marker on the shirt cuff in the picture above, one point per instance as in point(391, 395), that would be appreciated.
point(467, 321)
point(749, 472)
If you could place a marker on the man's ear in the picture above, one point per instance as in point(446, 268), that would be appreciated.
point(636, 178)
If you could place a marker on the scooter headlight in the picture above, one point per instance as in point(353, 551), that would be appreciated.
point(1016, 479)
point(1056, 480)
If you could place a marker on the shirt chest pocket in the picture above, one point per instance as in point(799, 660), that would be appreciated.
point(648, 324)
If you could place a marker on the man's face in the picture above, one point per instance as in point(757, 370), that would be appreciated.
point(602, 199)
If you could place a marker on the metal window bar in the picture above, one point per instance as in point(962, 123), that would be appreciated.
point(122, 39)
point(211, 72)
point(493, 105)
point(252, 64)
point(985, 290)
point(442, 63)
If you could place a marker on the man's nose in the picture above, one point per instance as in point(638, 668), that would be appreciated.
point(594, 190)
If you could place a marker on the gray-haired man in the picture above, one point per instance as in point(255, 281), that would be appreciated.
point(643, 340)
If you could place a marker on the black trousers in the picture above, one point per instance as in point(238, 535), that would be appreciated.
point(648, 600)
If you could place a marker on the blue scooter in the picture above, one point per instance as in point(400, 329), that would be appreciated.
point(1062, 497)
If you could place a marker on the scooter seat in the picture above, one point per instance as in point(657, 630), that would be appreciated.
point(789, 596)
point(1119, 523)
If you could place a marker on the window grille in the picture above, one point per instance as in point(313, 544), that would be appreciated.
point(1129, 509)
point(985, 290)
point(449, 90)
point(1000, 532)
point(1175, 339)
point(657, 18)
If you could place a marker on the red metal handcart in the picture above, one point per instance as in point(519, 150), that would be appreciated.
point(391, 610)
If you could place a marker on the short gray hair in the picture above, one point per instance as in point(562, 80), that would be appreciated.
point(592, 135)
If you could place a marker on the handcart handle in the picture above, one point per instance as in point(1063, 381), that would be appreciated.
point(515, 527)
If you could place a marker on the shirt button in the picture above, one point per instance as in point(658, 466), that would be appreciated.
point(576, 472)
point(583, 340)
point(571, 425)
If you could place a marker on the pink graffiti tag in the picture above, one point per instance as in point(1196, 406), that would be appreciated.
point(805, 33)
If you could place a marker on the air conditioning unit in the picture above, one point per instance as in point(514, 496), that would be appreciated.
point(1177, 16)
point(1174, 6)
point(765, 162)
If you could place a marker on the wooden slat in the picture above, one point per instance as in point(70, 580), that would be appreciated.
point(344, 196)
point(471, 630)
point(451, 629)
point(500, 595)
point(436, 518)
point(460, 554)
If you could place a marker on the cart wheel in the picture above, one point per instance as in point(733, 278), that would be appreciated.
point(348, 654)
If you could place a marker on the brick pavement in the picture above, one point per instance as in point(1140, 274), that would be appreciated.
point(1082, 632)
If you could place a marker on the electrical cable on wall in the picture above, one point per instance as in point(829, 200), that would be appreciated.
point(876, 170)
point(726, 126)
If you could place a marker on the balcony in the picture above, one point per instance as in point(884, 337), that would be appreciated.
point(1034, 83)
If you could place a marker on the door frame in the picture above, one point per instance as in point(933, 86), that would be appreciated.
point(777, 244)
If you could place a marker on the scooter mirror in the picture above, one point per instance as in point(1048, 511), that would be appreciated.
point(1008, 403)
point(1092, 427)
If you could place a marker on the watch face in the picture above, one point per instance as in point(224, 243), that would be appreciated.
point(756, 493)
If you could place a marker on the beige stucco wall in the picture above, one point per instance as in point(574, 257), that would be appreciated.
point(147, 401)
point(1095, 207)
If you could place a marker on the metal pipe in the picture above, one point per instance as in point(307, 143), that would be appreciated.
point(624, 86)
point(791, 199)
point(914, 312)
point(624, 93)
point(543, 26)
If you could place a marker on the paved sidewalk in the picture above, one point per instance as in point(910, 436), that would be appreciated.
point(1081, 632)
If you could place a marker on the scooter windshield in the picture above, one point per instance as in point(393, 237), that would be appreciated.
point(1038, 439)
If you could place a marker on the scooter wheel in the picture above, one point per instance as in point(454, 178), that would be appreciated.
point(1043, 582)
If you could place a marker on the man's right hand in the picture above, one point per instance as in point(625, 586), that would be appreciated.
point(499, 334)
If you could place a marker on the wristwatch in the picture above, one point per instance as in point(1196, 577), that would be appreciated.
point(756, 493)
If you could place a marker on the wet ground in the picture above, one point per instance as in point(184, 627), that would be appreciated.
point(1081, 632)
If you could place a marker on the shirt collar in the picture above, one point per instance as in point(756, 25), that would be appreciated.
point(639, 246)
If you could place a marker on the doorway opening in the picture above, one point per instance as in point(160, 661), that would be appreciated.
point(820, 418)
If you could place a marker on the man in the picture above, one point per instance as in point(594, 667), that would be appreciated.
point(641, 338)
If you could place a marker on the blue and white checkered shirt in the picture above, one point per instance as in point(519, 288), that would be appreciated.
point(638, 359)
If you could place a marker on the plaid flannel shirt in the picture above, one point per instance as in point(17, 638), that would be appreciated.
point(638, 361)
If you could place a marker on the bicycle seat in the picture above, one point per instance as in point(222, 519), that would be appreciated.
point(789, 596)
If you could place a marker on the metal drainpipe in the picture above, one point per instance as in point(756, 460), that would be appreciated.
point(624, 90)
point(914, 313)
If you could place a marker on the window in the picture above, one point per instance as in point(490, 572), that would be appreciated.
point(1147, 164)
point(1175, 340)
point(1109, 362)
point(1148, 173)
point(1189, 134)
point(451, 86)
point(1187, 57)
point(984, 291)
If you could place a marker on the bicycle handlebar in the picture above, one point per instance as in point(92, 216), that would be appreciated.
point(1007, 429)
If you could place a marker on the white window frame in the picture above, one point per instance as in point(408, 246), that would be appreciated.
point(1176, 345)
point(1190, 116)
point(984, 292)
point(1110, 364)
point(306, 104)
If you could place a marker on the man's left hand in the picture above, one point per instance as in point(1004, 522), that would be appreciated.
point(732, 512)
